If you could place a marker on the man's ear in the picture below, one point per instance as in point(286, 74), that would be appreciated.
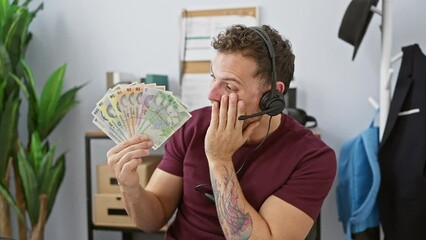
point(280, 86)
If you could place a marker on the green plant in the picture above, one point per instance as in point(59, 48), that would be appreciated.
point(41, 177)
point(14, 39)
point(38, 175)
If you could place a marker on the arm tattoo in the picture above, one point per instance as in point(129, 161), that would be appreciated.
point(235, 223)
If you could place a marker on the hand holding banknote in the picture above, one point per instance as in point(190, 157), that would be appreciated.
point(135, 109)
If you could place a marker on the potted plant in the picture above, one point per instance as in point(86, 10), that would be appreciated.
point(38, 172)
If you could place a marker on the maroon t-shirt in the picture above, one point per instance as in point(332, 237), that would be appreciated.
point(292, 164)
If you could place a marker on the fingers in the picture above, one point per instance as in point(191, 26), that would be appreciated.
point(232, 110)
point(124, 159)
point(127, 143)
point(240, 111)
point(130, 159)
point(223, 112)
point(225, 133)
point(128, 177)
point(214, 121)
point(228, 111)
point(135, 147)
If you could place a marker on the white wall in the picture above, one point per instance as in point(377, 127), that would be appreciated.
point(96, 36)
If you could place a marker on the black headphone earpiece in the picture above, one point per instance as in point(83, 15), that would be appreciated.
point(272, 102)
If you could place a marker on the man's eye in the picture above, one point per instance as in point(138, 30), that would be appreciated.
point(230, 88)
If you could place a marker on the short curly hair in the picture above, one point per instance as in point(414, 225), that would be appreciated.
point(244, 40)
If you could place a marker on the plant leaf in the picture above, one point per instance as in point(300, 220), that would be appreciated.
point(45, 169)
point(50, 96)
point(28, 38)
point(19, 83)
point(8, 122)
point(29, 185)
point(5, 65)
point(26, 3)
point(4, 9)
point(29, 80)
point(56, 178)
point(32, 118)
point(16, 30)
point(40, 7)
point(36, 152)
point(2, 94)
point(66, 103)
point(4, 192)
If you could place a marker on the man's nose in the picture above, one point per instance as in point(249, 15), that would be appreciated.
point(216, 91)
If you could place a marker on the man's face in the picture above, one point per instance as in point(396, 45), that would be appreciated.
point(232, 72)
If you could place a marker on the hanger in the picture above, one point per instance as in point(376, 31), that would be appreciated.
point(397, 57)
point(373, 103)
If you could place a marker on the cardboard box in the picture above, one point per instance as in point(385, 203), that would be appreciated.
point(110, 211)
point(107, 182)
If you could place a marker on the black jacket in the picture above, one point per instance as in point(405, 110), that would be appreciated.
point(402, 154)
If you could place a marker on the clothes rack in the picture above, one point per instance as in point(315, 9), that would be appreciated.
point(386, 72)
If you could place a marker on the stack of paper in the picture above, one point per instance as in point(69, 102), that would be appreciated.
point(138, 108)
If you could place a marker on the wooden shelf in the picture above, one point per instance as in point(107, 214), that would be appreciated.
point(126, 231)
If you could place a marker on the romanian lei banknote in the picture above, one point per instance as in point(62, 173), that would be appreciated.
point(137, 108)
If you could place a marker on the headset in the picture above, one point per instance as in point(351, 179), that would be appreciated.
point(272, 102)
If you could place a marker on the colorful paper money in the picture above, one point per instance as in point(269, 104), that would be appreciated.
point(138, 108)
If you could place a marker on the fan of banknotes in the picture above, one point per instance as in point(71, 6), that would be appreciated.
point(139, 108)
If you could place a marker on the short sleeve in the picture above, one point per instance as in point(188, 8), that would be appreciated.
point(174, 154)
point(311, 181)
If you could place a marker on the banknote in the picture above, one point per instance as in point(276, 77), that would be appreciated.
point(119, 102)
point(148, 95)
point(108, 112)
point(137, 108)
point(107, 126)
point(168, 108)
point(154, 126)
point(133, 92)
point(107, 130)
point(164, 116)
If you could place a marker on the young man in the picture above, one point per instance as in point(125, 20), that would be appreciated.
point(264, 177)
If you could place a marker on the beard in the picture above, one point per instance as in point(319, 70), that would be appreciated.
point(251, 120)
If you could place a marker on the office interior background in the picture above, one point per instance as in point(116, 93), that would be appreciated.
point(93, 37)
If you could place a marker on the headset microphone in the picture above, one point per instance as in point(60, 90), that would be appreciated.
point(272, 102)
point(268, 111)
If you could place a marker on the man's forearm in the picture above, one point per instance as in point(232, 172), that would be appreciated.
point(144, 208)
point(239, 220)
